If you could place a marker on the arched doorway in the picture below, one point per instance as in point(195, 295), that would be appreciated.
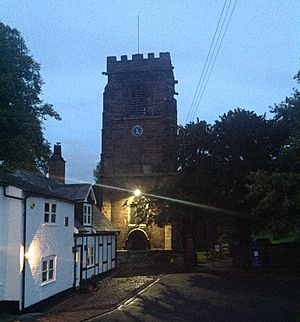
point(137, 240)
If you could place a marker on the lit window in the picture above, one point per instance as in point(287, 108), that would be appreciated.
point(48, 269)
point(87, 215)
point(90, 256)
point(50, 212)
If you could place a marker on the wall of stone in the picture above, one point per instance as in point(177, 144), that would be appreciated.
point(150, 259)
point(131, 161)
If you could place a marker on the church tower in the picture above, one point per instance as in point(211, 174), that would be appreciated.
point(139, 129)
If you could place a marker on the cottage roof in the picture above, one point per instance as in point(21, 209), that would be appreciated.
point(76, 192)
point(32, 182)
point(101, 223)
point(36, 183)
point(78, 225)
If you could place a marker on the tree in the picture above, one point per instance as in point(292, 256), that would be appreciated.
point(97, 172)
point(287, 121)
point(275, 195)
point(22, 112)
point(242, 142)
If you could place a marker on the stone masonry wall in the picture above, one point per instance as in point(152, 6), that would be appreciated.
point(134, 161)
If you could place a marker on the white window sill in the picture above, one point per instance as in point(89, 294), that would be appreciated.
point(48, 282)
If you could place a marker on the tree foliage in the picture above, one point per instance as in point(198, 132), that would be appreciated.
point(276, 199)
point(144, 209)
point(275, 195)
point(215, 160)
point(22, 112)
point(287, 122)
point(97, 172)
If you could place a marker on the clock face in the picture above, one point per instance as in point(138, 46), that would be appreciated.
point(137, 130)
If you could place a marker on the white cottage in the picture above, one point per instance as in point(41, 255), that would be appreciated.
point(44, 250)
point(94, 237)
point(36, 240)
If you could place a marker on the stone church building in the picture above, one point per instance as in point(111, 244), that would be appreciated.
point(139, 129)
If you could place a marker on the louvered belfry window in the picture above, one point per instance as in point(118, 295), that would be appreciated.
point(138, 96)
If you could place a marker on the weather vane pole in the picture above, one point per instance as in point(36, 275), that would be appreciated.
point(138, 33)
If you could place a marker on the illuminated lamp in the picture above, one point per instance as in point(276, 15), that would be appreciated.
point(137, 192)
point(29, 254)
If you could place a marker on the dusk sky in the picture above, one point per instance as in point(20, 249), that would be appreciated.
point(71, 39)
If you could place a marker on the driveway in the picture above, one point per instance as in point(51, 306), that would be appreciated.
point(214, 296)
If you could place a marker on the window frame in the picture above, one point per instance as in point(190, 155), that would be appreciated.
point(90, 258)
point(48, 269)
point(50, 212)
point(87, 217)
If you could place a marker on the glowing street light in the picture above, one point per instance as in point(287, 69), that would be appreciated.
point(137, 192)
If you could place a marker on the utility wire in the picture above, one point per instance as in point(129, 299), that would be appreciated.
point(200, 94)
point(204, 67)
point(211, 57)
point(210, 61)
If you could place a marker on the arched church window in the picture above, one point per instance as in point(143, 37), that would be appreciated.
point(138, 100)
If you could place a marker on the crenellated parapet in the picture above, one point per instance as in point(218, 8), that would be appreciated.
point(138, 62)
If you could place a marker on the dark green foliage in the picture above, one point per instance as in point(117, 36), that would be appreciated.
point(22, 144)
point(194, 143)
point(144, 209)
point(276, 195)
point(287, 123)
point(277, 201)
point(215, 160)
point(97, 172)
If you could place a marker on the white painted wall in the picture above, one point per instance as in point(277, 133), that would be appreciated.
point(42, 240)
point(46, 239)
point(11, 217)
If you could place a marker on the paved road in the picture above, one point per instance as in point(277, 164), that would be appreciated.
point(214, 296)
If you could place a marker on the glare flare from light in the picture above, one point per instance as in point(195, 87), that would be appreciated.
point(183, 202)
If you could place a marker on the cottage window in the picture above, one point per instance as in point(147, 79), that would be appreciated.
point(50, 212)
point(66, 221)
point(87, 215)
point(90, 256)
point(48, 269)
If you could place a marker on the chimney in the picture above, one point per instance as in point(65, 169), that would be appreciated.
point(56, 165)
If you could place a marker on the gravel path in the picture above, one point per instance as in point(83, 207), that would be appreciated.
point(110, 292)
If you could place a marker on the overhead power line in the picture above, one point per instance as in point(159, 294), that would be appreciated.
point(205, 64)
point(222, 26)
